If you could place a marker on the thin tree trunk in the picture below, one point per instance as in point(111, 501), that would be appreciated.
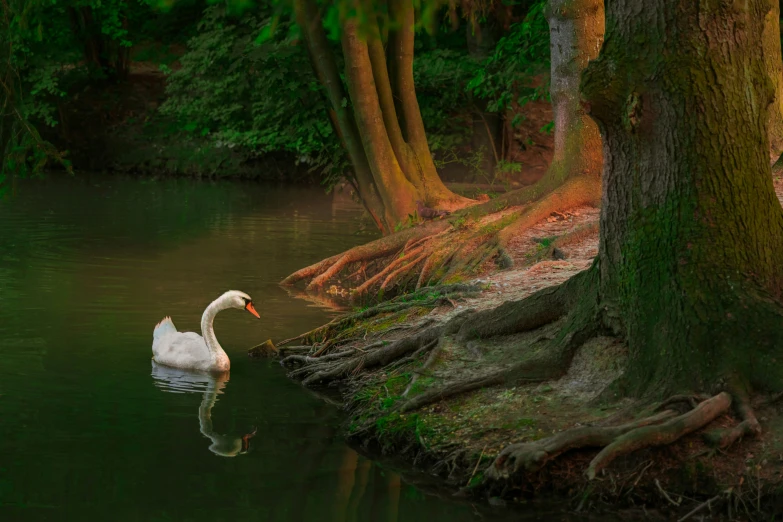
point(691, 244)
point(405, 155)
point(401, 42)
point(397, 193)
point(323, 62)
point(576, 31)
point(100, 51)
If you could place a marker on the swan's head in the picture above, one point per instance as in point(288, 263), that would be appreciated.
point(226, 446)
point(237, 299)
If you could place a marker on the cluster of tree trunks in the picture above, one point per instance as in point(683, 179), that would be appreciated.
point(378, 117)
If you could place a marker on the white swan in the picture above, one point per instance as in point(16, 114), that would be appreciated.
point(190, 350)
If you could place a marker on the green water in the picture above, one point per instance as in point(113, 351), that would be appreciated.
point(89, 430)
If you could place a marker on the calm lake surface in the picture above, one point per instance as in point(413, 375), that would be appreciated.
point(90, 430)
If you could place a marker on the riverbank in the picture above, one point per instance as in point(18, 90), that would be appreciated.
point(401, 365)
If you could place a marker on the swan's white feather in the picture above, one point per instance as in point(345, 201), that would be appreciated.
point(182, 350)
point(164, 327)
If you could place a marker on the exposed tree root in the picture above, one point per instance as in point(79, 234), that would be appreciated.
point(660, 429)
point(575, 192)
point(319, 273)
point(442, 250)
point(748, 426)
point(452, 389)
point(549, 325)
point(662, 434)
point(426, 298)
point(532, 456)
point(543, 307)
point(326, 372)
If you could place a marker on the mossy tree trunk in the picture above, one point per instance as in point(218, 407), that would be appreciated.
point(381, 125)
point(691, 248)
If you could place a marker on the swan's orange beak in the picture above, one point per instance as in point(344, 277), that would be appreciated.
point(249, 307)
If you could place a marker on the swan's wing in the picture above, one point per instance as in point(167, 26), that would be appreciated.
point(164, 327)
point(182, 350)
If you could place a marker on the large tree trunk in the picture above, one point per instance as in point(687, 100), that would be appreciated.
point(691, 244)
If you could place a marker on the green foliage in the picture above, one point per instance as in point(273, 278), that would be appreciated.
point(24, 77)
point(441, 77)
point(233, 91)
point(517, 70)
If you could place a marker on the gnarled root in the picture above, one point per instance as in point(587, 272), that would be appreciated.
point(660, 429)
point(662, 434)
point(327, 371)
point(547, 363)
point(541, 308)
point(425, 298)
point(532, 456)
point(749, 425)
point(319, 273)
point(443, 249)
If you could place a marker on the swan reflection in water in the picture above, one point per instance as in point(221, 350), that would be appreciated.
point(174, 380)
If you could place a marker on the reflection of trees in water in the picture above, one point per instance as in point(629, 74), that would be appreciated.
point(362, 490)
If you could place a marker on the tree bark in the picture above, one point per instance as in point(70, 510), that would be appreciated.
point(691, 242)
point(397, 193)
point(322, 59)
point(404, 153)
point(576, 31)
point(401, 43)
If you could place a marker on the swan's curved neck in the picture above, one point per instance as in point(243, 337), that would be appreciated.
point(208, 331)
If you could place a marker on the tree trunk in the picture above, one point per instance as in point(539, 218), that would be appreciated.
point(691, 244)
point(576, 31)
point(573, 178)
point(322, 59)
point(401, 43)
point(399, 196)
point(486, 134)
point(100, 52)
point(774, 62)
point(404, 153)
point(392, 161)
